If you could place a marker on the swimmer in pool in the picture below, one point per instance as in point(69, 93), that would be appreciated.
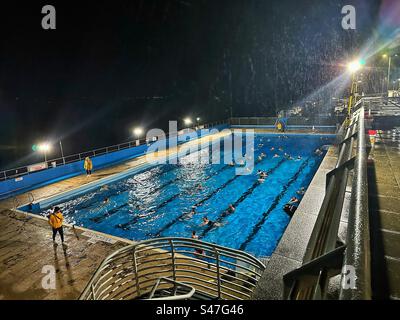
point(262, 174)
point(318, 152)
point(301, 191)
point(192, 212)
point(231, 209)
point(293, 200)
point(106, 200)
point(276, 155)
point(288, 156)
point(207, 222)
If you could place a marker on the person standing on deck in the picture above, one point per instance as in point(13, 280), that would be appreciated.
point(88, 165)
point(56, 221)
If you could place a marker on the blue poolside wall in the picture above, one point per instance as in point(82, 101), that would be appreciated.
point(12, 187)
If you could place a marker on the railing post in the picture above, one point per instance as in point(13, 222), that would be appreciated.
point(136, 272)
point(92, 289)
point(218, 273)
point(173, 259)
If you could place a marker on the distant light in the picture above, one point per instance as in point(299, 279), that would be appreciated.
point(197, 119)
point(187, 121)
point(138, 131)
point(384, 56)
point(354, 66)
point(43, 147)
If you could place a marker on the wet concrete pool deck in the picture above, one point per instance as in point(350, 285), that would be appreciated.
point(26, 245)
point(384, 204)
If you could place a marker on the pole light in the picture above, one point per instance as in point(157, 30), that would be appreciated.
point(62, 152)
point(353, 67)
point(44, 148)
point(386, 56)
point(138, 132)
point(187, 121)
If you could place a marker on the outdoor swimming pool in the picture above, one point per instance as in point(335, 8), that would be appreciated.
point(154, 202)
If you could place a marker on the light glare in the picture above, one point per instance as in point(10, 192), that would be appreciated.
point(44, 147)
point(354, 66)
point(138, 131)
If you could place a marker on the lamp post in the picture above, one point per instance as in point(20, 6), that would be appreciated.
point(138, 133)
point(44, 148)
point(353, 67)
point(62, 152)
point(389, 67)
point(187, 122)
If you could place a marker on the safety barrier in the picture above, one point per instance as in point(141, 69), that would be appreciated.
point(157, 267)
point(324, 258)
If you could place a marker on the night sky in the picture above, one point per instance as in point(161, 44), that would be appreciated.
point(112, 65)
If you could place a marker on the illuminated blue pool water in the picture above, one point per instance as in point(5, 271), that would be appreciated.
point(154, 202)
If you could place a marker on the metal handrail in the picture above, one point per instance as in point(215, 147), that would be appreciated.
point(212, 270)
point(358, 253)
point(292, 121)
point(174, 296)
point(23, 170)
point(323, 256)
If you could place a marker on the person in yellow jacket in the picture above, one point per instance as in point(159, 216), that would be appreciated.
point(56, 221)
point(88, 165)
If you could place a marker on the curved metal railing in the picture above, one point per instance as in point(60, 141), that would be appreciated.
point(134, 272)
